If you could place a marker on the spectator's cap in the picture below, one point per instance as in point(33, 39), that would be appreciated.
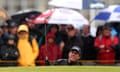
point(23, 28)
point(11, 37)
point(4, 25)
point(77, 49)
point(12, 24)
point(106, 27)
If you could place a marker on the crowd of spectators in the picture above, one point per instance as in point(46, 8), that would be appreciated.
point(52, 44)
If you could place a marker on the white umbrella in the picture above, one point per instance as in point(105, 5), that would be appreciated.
point(75, 4)
point(62, 16)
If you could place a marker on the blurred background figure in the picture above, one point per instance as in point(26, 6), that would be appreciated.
point(12, 28)
point(35, 31)
point(63, 30)
point(9, 51)
point(28, 50)
point(55, 30)
point(71, 40)
point(106, 46)
point(1, 39)
point(50, 51)
point(4, 28)
point(88, 50)
point(74, 56)
point(116, 26)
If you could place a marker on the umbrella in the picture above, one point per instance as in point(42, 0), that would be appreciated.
point(75, 4)
point(25, 15)
point(3, 14)
point(110, 14)
point(61, 16)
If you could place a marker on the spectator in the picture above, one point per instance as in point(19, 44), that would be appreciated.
point(9, 52)
point(74, 56)
point(1, 39)
point(71, 40)
point(88, 50)
point(116, 26)
point(62, 29)
point(35, 31)
point(28, 51)
point(50, 50)
point(55, 30)
point(63, 35)
point(5, 34)
point(106, 46)
point(12, 29)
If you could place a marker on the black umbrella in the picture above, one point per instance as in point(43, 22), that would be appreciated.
point(25, 15)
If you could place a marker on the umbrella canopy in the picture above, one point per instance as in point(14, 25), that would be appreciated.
point(61, 16)
point(3, 14)
point(110, 14)
point(25, 15)
point(75, 4)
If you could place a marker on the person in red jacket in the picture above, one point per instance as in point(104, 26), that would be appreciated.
point(50, 51)
point(106, 45)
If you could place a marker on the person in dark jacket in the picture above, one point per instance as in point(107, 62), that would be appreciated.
point(35, 31)
point(74, 56)
point(70, 41)
point(12, 29)
point(88, 50)
point(116, 26)
point(5, 34)
point(9, 52)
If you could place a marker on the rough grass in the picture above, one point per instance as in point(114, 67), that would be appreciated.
point(62, 69)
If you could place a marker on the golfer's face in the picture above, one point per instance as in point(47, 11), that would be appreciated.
point(74, 56)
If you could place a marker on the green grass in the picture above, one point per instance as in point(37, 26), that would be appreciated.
point(62, 69)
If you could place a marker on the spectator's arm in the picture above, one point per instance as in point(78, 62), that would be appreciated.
point(96, 43)
point(59, 53)
point(35, 48)
point(114, 44)
point(62, 44)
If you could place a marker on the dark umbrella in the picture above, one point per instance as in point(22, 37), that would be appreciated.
point(25, 16)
